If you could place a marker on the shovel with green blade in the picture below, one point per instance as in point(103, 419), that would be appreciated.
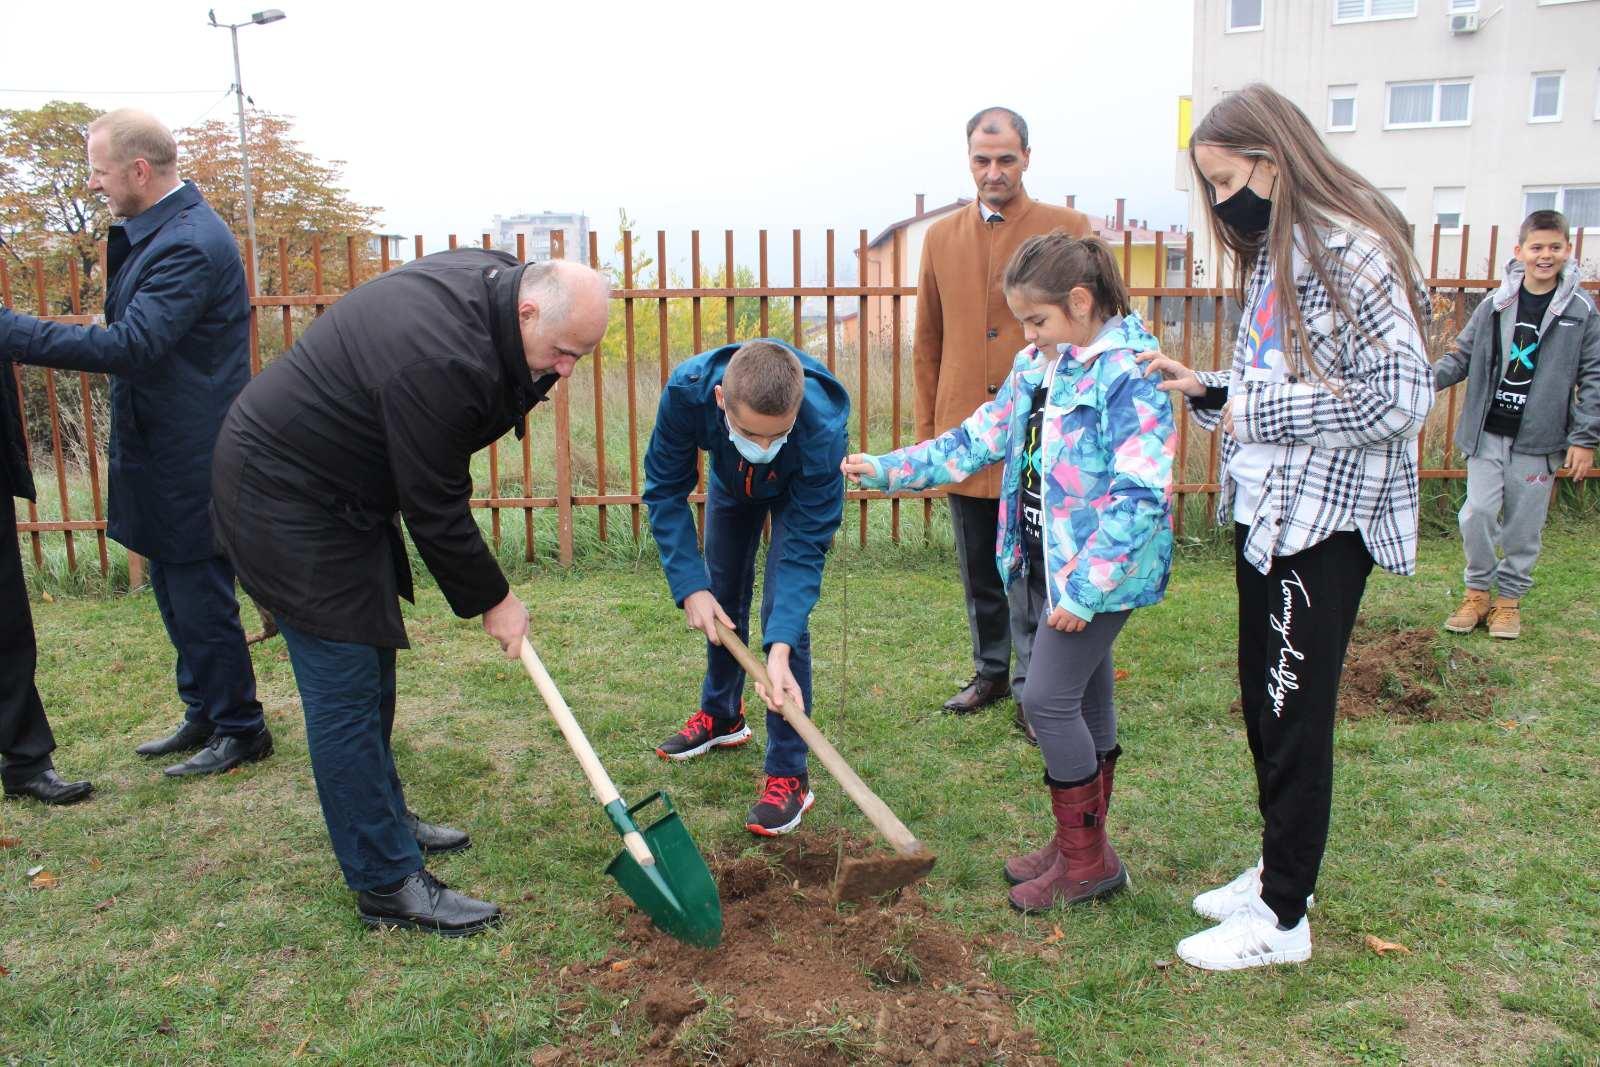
point(659, 867)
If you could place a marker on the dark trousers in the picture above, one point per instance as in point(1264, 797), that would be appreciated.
point(1294, 627)
point(999, 624)
point(25, 738)
point(347, 691)
point(216, 680)
point(733, 534)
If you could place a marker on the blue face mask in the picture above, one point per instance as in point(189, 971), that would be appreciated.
point(753, 452)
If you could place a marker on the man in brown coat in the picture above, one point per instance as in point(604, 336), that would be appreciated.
point(966, 340)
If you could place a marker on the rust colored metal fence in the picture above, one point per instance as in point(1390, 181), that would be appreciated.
point(1194, 323)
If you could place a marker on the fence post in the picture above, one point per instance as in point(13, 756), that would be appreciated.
point(558, 250)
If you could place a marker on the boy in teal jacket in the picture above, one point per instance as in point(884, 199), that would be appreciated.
point(772, 422)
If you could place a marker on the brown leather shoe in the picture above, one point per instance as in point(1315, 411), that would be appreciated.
point(1505, 619)
point(979, 693)
point(1470, 614)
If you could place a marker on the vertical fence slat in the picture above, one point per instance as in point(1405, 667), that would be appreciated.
point(90, 446)
point(598, 359)
point(58, 453)
point(832, 322)
point(862, 361)
point(633, 397)
point(528, 546)
point(494, 465)
point(283, 290)
point(798, 309)
point(766, 330)
point(316, 271)
point(1181, 417)
point(897, 265)
point(695, 311)
point(252, 286)
point(563, 398)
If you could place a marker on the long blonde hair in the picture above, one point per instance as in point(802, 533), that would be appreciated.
point(1314, 190)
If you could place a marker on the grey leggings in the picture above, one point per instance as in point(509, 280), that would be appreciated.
point(1068, 697)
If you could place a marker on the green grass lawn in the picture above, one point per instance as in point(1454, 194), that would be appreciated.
point(205, 921)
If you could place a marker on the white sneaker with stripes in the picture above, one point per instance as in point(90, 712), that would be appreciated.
point(1217, 904)
point(1249, 937)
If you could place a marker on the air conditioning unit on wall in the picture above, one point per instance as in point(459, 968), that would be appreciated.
point(1464, 24)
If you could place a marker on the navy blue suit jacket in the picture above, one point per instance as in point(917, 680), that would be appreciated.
point(176, 344)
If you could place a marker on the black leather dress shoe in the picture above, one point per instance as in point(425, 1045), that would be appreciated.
point(48, 787)
point(186, 738)
point(979, 693)
point(223, 753)
point(424, 903)
point(433, 839)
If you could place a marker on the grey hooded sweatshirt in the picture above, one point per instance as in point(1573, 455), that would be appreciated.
point(1564, 400)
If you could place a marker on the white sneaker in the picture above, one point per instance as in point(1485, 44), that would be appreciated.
point(1248, 938)
point(1217, 904)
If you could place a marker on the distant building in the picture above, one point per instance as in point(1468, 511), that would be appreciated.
point(392, 244)
point(536, 229)
point(1464, 112)
point(879, 269)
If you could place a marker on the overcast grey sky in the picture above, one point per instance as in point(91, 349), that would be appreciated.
point(689, 114)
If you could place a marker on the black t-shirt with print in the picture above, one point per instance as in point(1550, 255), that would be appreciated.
point(1511, 392)
point(1031, 489)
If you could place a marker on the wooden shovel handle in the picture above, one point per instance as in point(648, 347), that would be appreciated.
point(877, 812)
point(604, 789)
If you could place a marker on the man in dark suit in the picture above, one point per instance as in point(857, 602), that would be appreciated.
point(175, 345)
point(25, 738)
point(374, 416)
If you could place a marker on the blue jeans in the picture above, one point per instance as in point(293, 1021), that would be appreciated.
point(347, 691)
point(733, 533)
point(216, 680)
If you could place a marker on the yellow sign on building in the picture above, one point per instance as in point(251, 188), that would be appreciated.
point(1185, 121)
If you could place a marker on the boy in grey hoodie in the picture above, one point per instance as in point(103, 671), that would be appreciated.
point(1531, 358)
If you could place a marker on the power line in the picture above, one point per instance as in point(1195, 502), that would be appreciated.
point(116, 92)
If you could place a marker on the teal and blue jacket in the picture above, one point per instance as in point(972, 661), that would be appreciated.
point(1106, 451)
point(803, 480)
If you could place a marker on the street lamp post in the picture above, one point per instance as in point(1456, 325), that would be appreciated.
point(260, 18)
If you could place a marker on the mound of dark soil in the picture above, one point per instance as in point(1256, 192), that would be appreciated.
point(1412, 674)
point(797, 981)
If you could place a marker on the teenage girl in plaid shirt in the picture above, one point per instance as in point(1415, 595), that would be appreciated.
point(1329, 387)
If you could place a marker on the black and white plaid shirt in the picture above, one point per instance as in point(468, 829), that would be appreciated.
point(1345, 457)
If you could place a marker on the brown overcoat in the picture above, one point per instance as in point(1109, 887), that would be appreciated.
point(966, 337)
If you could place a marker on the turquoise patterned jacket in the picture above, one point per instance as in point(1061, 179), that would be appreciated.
point(1108, 442)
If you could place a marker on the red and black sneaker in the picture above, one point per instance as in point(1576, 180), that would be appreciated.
point(782, 803)
point(701, 734)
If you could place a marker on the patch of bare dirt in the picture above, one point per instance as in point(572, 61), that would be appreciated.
point(1412, 674)
point(797, 981)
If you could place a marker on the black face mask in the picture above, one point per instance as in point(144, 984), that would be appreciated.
point(1246, 210)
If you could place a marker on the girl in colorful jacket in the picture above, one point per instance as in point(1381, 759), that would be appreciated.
point(1319, 414)
point(1085, 517)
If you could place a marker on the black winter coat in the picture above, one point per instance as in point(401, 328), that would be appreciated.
point(176, 344)
point(373, 416)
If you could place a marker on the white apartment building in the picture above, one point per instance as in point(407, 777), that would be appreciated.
point(536, 228)
point(1466, 112)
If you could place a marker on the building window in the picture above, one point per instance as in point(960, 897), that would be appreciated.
point(1244, 15)
point(1579, 203)
point(1448, 204)
point(1545, 105)
point(1439, 103)
point(1341, 107)
point(1372, 10)
point(1458, 7)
